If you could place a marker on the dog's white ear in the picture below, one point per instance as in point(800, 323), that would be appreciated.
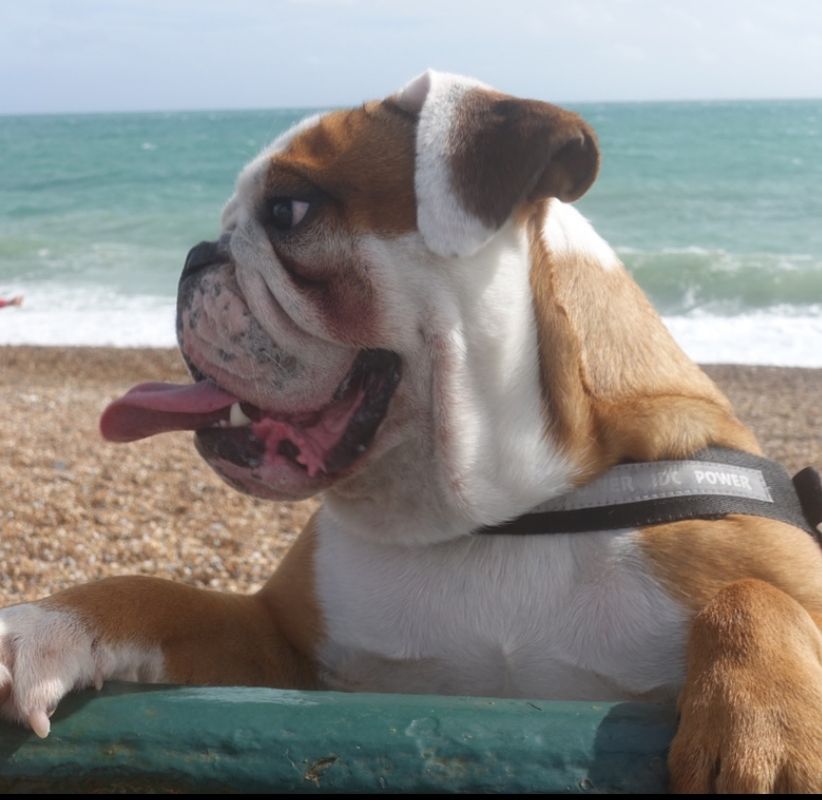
point(481, 153)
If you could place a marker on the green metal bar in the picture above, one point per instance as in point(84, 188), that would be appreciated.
point(129, 738)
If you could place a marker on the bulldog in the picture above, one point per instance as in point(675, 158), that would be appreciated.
point(403, 312)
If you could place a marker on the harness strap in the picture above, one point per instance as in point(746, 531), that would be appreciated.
point(709, 484)
point(808, 485)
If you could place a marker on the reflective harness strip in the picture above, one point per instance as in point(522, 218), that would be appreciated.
point(709, 484)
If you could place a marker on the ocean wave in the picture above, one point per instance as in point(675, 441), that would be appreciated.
point(683, 280)
point(793, 340)
point(94, 316)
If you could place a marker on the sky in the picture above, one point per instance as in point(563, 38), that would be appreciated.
point(140, 55)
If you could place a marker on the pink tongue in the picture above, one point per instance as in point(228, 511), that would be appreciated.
point(160, 407)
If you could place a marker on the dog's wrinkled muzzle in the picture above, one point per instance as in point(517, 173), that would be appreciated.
point(276, 411)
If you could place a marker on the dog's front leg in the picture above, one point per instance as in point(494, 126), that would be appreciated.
point(751, 707)
point(148, 630)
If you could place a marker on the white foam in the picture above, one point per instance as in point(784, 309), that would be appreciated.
point(53, 315)
point(95, 316)
point(767, 338)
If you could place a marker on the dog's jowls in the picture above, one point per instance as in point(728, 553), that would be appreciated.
point(401, 311)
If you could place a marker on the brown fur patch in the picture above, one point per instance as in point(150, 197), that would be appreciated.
point(694, 559)
point(364, 160)
point(212, 638)
point(356, 168)
point(506, 150)
point(207, 638)
point(291, 598)
point(616, 385)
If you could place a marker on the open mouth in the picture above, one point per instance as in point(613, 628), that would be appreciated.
point(323, 441)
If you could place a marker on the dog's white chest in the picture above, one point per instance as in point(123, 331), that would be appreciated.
point(562, 616)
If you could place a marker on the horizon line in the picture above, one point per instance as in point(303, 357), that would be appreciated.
point(330, 107)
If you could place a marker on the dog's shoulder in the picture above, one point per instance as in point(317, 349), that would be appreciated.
point(694, 559)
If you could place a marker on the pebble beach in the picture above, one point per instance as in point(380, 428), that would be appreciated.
point(74, 508)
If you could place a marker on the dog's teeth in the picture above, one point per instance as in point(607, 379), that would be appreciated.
point(237, 417)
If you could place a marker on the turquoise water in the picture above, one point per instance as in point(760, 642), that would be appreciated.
point(716, 208)
point(117, 200)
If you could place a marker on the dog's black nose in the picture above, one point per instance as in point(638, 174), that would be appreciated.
point(204, 254)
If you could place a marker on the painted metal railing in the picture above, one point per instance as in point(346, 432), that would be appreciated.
point(172, 739)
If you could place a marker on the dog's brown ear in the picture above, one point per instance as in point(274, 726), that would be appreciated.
point(480, 154)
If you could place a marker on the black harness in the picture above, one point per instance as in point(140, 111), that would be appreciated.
point(707, 485)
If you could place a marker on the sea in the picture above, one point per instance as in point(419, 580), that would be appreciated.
point(715, 207)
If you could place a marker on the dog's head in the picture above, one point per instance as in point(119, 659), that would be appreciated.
point(345, 254)
point(365, 319)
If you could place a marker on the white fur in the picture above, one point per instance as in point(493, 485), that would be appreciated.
point(558, 616)
point(411, 601)
point(476, 451)
point(46, 653)
point(567, 232)
point(412, 96)
point(446, 226)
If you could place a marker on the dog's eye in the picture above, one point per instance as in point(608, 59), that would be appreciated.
point(287, 213)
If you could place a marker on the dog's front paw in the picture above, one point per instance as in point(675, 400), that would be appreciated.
point(44, 654)
point(751, 706)
point(740, 745)
point(753, 728)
